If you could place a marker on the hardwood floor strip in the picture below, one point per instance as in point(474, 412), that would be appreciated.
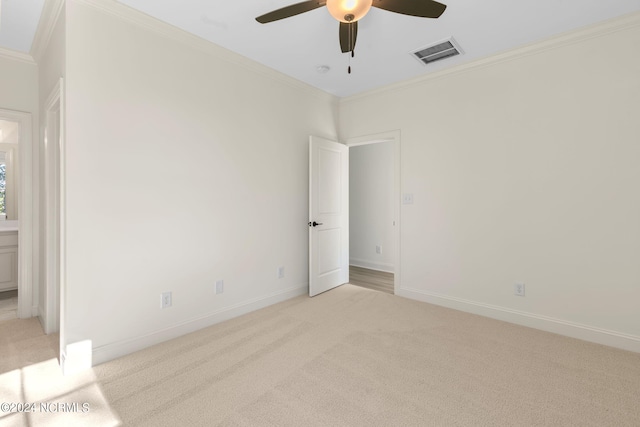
point(371, 279)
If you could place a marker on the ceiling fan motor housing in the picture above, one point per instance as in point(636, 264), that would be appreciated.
point(348, 10)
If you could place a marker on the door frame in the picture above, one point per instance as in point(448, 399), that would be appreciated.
point(26, 194)
point(52, 209)
point(393, 137)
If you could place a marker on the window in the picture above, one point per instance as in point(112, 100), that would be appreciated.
point(9, 132)
point(3, 186)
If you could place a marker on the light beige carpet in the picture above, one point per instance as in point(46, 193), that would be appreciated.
point(355, 357)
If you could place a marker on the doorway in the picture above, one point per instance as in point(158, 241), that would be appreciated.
point(374, 197)
point(9, 185)
point(18, 212)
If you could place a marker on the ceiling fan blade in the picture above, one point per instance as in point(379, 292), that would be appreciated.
point(348, 34)
point(288, 11)
point(421, 8)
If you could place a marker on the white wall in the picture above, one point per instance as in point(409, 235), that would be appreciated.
point(371, 206)
point(185, 164)
point(51, 67)
point(18, 84)
point(51, 63)
point(524, 168)
point(9, 132)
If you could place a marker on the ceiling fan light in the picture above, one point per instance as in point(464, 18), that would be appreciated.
point(348, 10)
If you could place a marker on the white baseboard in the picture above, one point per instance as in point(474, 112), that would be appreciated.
point(112, 351)
point(76, 357)
point(372, 265)
point(40, 316)
point(33, 312)
point(545, 323)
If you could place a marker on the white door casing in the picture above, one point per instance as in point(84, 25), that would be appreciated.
point(51, 209)
point(329, 211)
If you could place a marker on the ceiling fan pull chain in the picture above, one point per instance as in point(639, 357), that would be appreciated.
point(351, 45)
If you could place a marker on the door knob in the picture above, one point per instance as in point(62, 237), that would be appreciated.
point(314, 224)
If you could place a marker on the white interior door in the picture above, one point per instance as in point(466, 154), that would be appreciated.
point(328, 215)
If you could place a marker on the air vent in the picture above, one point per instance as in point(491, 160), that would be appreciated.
point(438, 51)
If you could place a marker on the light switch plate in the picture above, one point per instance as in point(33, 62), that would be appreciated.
point(165, 300)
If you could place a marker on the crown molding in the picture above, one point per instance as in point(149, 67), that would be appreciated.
point(163, 29)
point(50, 14)
point(610, 26)
point(14, 55)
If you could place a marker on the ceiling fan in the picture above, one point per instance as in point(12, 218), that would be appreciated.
point(348, 12)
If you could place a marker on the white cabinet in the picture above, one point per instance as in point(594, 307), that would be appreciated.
point(8, 260)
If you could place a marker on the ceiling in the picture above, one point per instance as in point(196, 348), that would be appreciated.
point(297, 46)
point(18, 23)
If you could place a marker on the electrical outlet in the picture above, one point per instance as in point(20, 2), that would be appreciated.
point(407, 199)
point(280, 272)
point(165, 299)
point(219, 286)
point(518, 289)
point(378, 249)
